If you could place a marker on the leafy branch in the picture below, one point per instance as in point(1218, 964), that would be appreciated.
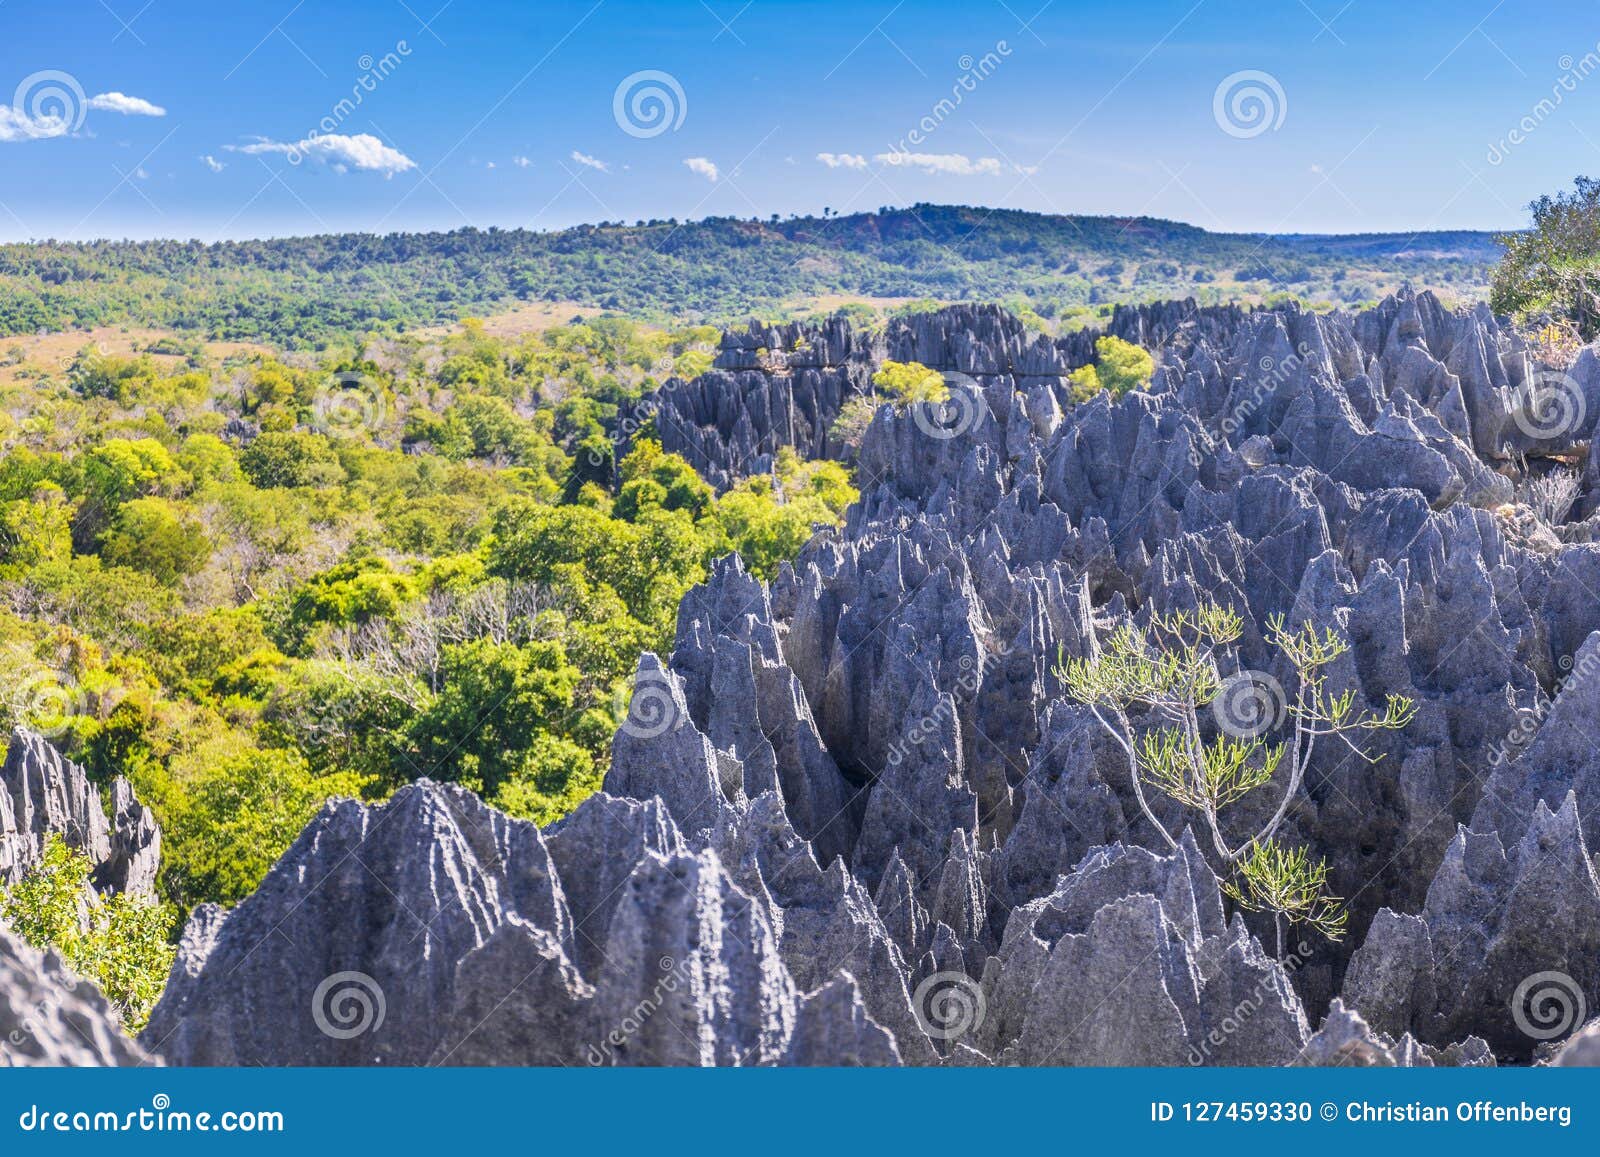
point(1166, 672)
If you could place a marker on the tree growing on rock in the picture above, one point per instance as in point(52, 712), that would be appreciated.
point(117, 941)
point(1150, 688)
point(1554, 267)
point(1119, 366)
point(908, 383)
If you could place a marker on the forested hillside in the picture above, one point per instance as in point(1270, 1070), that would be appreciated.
point(310, 290)
point(252, 584)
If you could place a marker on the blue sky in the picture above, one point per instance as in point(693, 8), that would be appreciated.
point(175, 118)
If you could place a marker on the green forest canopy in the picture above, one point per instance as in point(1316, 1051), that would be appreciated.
point(310, 290)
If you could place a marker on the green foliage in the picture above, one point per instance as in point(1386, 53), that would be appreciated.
point(1147, 686)
point(1120, 366)
point(287, 458)
point(1554, 267)
point(35, 531)
point(156, 536)
point(498, 698)
point(1288, 883)
point(910, 383)
point(349, 593)
point(118, 942)
point(238, 817)
point(553, 776)
point(420, 574)
point(315, 291)
point(768, 518)
point(850, 427)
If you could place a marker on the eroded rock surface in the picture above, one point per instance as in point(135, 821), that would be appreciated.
point(42, 793)
point(855, 815)
point(51, 1016)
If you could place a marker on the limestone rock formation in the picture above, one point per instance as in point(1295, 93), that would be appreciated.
point(50, 1016)
point(42, 793)
point(862, 818)
point(1130, 961)
point(1345, 1040)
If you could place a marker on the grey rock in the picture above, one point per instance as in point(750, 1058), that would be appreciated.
point(832, 1028)
point(42, 793)
point(1345, 1040)
point(1130, 962)
point(865, 782)
point(1506, 947)
point(1582, 1049)
point(50, 1016)
point(363, 924)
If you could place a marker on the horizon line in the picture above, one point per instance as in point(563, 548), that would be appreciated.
point(643, 223)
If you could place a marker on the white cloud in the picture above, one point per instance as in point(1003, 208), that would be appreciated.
point(952, 164)
point(591, 162)
point(362, 151)
point(57, 109)
point(521, 162)
point(843, 160)
point(212, 163)
point(703, 166)
point(16, 125)
point(131, 106)
point(489, 165)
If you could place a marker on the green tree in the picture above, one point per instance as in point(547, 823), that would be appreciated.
point(849, 429)
point(553, 777)
point(908, 383)
point(1554, 266)
point(769, 517)
point(157, 536)
point(345, 717)
point(1164, 674)
point(115, 472)
point(118, 942)
point(1120, 366)
point(497, 699)
point(35, 531)
point(680, 488)
point(284, 458)
point(240, 815)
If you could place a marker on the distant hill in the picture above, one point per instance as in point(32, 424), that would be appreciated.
point(305, 290)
